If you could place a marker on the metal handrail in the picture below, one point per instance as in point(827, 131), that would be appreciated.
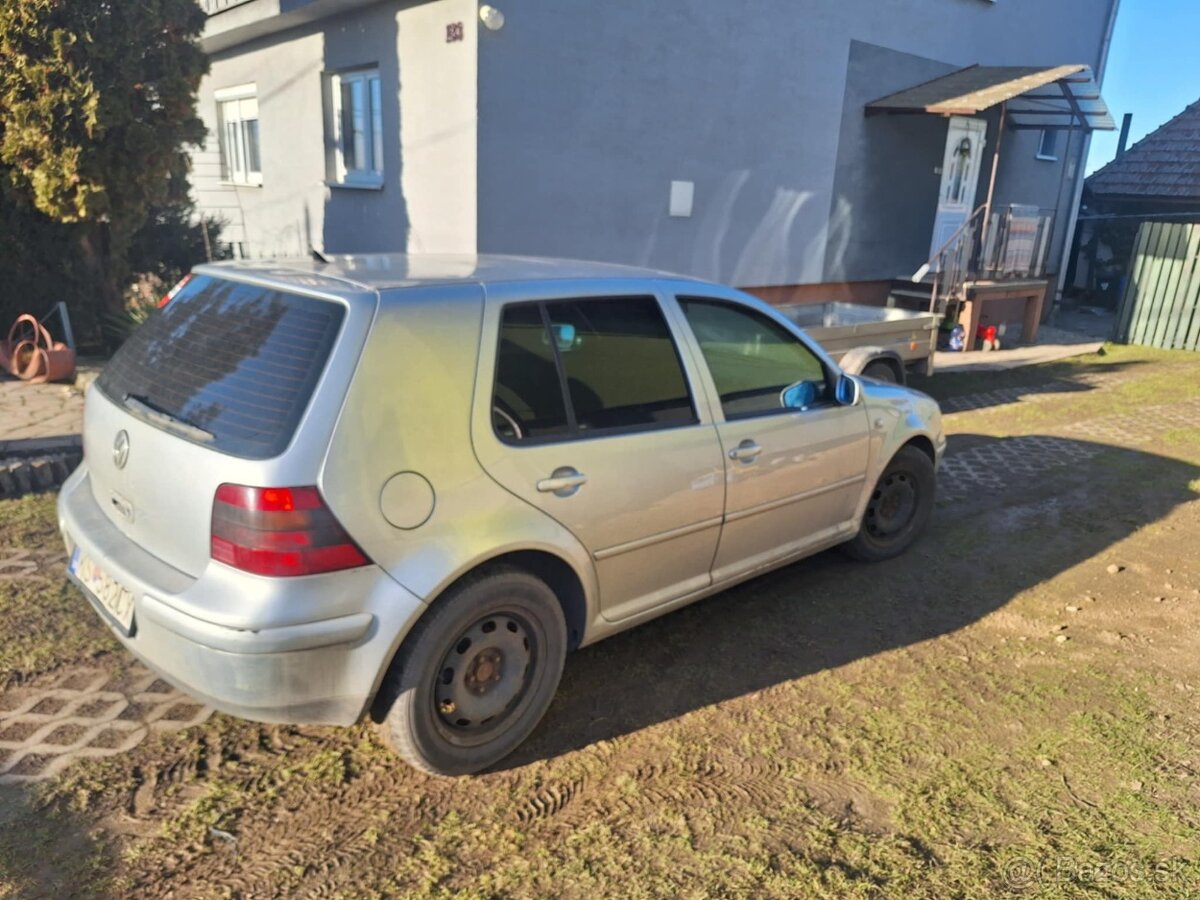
point(970, 253)
point(940, 258)
point(920, 274)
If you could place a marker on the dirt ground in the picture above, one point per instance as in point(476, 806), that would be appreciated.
point(1008, 709)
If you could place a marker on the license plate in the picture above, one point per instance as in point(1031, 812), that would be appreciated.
point(116, 599)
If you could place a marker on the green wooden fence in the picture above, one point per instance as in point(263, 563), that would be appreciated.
point(1161, 306)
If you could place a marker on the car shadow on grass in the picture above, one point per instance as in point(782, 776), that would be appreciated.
point(970, 391)
point(1059, 503)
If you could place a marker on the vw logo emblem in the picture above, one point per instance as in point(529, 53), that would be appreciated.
point(121, 449)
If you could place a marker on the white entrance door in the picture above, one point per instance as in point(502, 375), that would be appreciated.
point(960, 177)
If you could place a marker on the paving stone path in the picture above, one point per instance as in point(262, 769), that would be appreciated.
point(1087, 381)
point(29, 411)
point(1001, 462)
point(86, 713)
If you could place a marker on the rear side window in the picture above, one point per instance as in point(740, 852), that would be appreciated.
point(588, 366)
point(232, 365)
point(528, 401)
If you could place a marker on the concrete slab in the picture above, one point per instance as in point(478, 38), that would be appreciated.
point(1073, 332)
point(1000, 360)
point(39, 411)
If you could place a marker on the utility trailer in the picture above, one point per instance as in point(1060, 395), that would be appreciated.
point(876, 341)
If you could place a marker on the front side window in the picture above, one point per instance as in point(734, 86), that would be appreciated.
point(579, 367)
point(358, 121)
point(754, 360)
point(237, 117)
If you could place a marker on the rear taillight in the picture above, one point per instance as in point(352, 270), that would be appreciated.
point(170, 295)
point(279, 531)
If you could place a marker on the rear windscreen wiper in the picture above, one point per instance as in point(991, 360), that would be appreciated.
point(151, 413)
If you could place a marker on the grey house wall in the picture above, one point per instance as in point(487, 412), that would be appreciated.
point(885, 182)
point(560, 133)
point(587, 113)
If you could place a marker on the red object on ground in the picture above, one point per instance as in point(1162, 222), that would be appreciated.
point(986, 333)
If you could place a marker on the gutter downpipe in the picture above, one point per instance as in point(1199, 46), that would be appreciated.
point(1077, 194)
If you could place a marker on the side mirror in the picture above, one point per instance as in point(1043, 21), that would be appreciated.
point(564, 335)
point(800, 395)
point(849, 391)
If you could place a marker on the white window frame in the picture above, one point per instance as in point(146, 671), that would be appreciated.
point(364, 167)
point(235, 107)
point(1052, 156)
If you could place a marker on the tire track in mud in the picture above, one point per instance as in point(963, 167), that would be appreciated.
point(315, 834)
point(718, 784)
point(720, 795)
point(549, 801)
point(320, 838)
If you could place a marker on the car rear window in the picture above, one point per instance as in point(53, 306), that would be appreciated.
point(235, 360)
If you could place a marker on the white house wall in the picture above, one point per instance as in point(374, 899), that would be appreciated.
point(427, 201)
point(438, 125)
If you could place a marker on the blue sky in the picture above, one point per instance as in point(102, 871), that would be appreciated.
point(1152, 69)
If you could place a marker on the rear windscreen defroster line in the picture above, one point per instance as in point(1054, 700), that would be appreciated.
point(233, 364)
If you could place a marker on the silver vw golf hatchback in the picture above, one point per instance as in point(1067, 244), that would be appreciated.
point(406, 487)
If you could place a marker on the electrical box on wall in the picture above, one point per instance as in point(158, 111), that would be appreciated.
point(682, 193)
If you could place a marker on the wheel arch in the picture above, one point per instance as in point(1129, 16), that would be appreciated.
point(857, 360)
point(558, 574)
point(922, 443)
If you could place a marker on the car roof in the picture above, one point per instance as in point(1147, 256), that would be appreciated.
point(379, 271)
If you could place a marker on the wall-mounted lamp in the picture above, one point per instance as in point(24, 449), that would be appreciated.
point(492, 18)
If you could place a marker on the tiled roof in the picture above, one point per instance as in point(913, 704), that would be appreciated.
point(1164, 164)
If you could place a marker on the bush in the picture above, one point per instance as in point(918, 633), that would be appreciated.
point(97, 107)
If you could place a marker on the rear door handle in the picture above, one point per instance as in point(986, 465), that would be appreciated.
point(746, 451)
point(563, 482)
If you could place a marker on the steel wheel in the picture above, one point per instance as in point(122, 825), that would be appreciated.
point(476, 673)
point(483, 676)
point(892, 505)
point(881, 371)
point(898, 509)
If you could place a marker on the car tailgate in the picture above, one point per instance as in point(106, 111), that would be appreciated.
point(218, 387)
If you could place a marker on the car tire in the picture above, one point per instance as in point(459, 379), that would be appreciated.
point(898, 509)
point(476, 674)
point(881, 371)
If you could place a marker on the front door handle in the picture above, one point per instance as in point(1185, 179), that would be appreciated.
point(746, 451)
point(563, 482)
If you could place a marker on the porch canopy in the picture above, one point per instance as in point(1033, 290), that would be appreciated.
point(1054, 98)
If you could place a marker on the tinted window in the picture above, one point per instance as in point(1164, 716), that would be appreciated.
point(752, 358)
point(619, 368)
point(234, 360)
point(528, 400)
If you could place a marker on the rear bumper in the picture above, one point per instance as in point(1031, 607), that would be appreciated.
point(263, 656)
